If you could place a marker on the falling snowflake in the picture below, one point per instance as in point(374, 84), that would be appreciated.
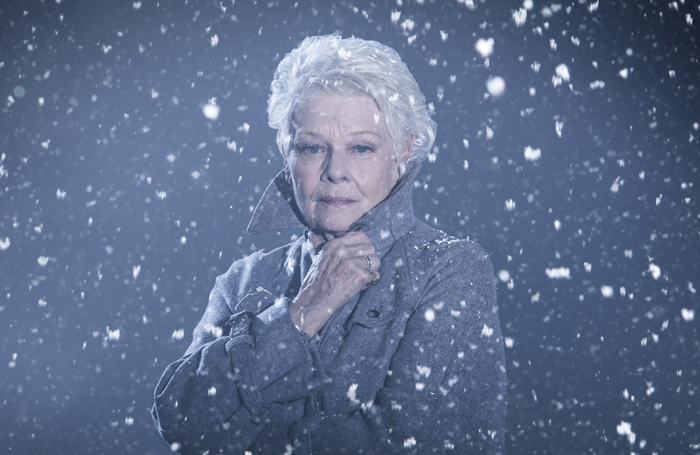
point(532, 154)
point(211, 111)
point(563, 72)
point(655, 271)
point(484, 47)
point(496, 86)
point(519, 17)
point(557, 273)
point(607, 291)
point(688, 314)
point(625, 429)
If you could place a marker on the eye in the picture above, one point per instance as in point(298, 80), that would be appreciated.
point(310, 149)
point(363, 149)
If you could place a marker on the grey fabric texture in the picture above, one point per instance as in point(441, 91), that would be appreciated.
point(414, 364)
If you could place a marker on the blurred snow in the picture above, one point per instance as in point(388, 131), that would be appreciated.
point(655, 271)
point(563, 72)
point(688, 314)
point(625, 429)
point(532, 154)
point(560, 272)
point(113, 335)
point(211, 111)
point(520, 16)
point(484, 46)
point(496, 86)
point(607, 291)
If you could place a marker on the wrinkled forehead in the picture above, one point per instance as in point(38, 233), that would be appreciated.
point(342, 113)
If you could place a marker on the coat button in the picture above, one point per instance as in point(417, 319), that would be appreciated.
point(373, 313)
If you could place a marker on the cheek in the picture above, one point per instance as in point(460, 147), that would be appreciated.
point(381, 176)
point(390, 171)
point(303, 181)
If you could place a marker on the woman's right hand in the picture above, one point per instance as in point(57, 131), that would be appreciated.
point(338, 272)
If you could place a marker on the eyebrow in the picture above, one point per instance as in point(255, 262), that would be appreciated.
point(356, 133)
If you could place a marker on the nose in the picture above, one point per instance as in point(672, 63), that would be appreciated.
point(335, 167)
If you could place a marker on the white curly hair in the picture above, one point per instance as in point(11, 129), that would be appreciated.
point(351, 66)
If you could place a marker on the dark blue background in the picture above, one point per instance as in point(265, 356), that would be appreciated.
point(123, 90)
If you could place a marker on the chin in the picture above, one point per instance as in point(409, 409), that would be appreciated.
point(335, 222)
point(336, 227)
point(336, 230)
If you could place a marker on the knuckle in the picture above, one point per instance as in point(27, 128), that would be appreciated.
point(360, 280)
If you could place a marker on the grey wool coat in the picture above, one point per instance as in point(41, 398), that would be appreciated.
point(414, 364)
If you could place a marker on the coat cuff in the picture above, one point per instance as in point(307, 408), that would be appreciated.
point(278, 347)
point(270, 359)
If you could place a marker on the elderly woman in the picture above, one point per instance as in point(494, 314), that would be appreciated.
point(372, 332)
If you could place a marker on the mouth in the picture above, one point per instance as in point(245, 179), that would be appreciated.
point(336, 201)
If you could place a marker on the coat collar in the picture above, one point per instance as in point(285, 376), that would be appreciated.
point(386, 222)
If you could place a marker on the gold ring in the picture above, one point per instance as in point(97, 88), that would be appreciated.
point(375, 278)
point(369, 263)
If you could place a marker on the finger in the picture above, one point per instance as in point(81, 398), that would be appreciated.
point(366, 249)
point(349, 247)
point(354, 238)
point(316, 241)
point(373, 278)
point(365, 262)
point(369, 262)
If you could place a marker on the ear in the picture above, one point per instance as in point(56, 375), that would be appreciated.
point(407, 148)
point(405, 153)
point(287, 172)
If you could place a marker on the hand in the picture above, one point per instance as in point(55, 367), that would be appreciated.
point(338, 272)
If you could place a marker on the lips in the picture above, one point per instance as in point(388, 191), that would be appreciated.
point(336, 200)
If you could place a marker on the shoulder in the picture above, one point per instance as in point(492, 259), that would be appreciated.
point(434, 249)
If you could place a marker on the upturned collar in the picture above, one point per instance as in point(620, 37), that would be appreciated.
point(386, 222)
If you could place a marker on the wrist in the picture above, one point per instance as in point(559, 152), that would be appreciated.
point(303, 316)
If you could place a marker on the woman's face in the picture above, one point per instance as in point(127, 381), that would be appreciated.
point(342, 161)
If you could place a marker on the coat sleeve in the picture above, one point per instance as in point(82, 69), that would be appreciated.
point(241, 371)
point(446, 388)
